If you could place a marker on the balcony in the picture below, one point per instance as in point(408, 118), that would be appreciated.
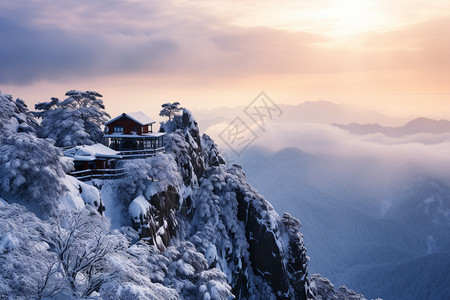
point(104, 174)
point(136, 154)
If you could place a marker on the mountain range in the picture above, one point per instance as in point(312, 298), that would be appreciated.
point(322, 112)
point(415, 126)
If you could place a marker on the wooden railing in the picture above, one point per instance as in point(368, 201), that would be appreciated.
point(98, 174)
point(132, 154)
point(89, 174)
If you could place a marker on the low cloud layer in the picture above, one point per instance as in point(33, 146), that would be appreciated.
point(421, 154)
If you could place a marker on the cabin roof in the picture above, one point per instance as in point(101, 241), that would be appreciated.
point(90, 153)
point(138, 117)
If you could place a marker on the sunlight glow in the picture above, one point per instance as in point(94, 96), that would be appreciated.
point(353, 15)
point(350, 16)
point(331, 17)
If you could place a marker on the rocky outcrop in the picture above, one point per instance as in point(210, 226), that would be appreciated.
point(323, 289)
point(184, 142)
point(276, 250)
point(155, 220)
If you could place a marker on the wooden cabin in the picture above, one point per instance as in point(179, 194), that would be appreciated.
point(92, 157)
point(94, 162)
point(130, 123)
point(132, 135)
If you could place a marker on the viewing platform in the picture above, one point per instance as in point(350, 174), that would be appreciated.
point(131, 134)
point(89, 174)
point(139, 144)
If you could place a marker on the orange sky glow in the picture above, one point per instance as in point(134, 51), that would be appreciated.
point(392, 56)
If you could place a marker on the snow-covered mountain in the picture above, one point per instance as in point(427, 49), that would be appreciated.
point(180, 224)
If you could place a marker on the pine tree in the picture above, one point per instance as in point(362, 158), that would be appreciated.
point(170, 109)
point(15, 116)
point(34, 169)
point(75, 121)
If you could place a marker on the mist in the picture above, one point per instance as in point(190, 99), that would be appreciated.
point(419, 153)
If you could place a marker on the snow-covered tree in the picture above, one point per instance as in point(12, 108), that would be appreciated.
point(15, 116)
point(188, 273)
point(82, 241)
point(75, 121)
point(69, 256)
point(75, 256)
point(138, 273)
point(34, 169)
point(170, 109)
point(28, 269)
point(158, 172)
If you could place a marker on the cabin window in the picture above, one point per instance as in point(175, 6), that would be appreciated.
point(118, 128)
point(79, 165)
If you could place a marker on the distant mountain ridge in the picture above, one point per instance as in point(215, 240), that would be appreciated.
point(322, 112)
point(416, 126)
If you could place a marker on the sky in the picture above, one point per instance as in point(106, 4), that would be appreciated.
point(391, 56)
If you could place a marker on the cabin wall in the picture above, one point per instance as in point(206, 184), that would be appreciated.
point(127, 124)
point(145, 129)
point(94, 164)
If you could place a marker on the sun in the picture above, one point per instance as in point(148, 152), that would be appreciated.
point(351, 16)
point(331, 17)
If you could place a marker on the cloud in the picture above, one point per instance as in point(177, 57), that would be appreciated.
point(375, 154)
point(48, 40)
point(34, 48)
point(419, 46)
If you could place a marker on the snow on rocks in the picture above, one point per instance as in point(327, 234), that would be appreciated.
point(211, 256)
point(139, 208)
point(79, 194)
point(323, 289)
point(72, 199)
